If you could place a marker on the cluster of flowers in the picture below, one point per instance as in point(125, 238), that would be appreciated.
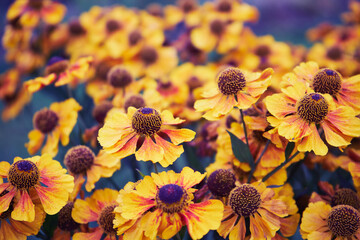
point(258, 106)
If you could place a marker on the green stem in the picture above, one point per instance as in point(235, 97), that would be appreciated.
point(279, 167)
point(258, 160)
point(244, 126)
point(155, 167)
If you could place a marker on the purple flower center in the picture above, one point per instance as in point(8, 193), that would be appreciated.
point(316, 97)
point(171, 193)
point(330, 72)
point(24, 166)
point(147, 110)
point(55, 60)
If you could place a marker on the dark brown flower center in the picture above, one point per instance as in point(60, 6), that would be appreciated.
point(221, 182)
point(171, 198)
point(119, 77)
point(78, 159)
point(23, 174)
point(136, 101)
point(148, 55)
point(313, 108)
point(262, 51)
point(217, 27)
point(45, 120)
point(327, 81)
point(106, 219)
point(100, 111)
point(245, 200)
point(65, 220)
point(224, 6)
point(36, 4)
point(134, 37)
point(343, 221)
point(146, 121)
point(334, 53)
point(113, 26)
point(231, 81)
point(194, 82)
point(75, 28)
point(345, 196)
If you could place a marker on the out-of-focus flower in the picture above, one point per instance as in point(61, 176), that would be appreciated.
point(16, 103)
point(144, 132)
point(61, 72)
point(352, 17)
point(164, 202)
point(253, 203)
point(235, 88)
point(41, 175)
point(56, 123)
point(321, 221)
point(186, 10)
point(31, 11)
point(297, 112)
point(99, 207)
point(9, 82)
point(81, 161)
point(345, 91)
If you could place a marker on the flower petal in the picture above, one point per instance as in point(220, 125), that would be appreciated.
point(150, 151)
point(24, 209)
point(178, 136)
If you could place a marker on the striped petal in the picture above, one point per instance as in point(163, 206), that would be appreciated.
point(24, 209)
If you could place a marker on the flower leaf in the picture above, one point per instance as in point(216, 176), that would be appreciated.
point(241, 150)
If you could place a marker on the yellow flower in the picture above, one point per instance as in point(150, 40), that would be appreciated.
point(345, 91)
point(97, 208)
point(297, 112)
point(235, 88)
point(321, 221)
point(61, 72)
point(56, 123)
point(30, 12)
point(81, 161)
point(39, 174)
point(164, 202)
point(144, 132)
point(254, 202)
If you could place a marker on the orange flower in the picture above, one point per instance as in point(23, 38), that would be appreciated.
point(61, 72)
point(254, 202)
point(144, 132)
point(235, 88)
point(164, 202)
point(97, 208)
point(56, 123)
point(297, 112)
point(31, 11)
point(39, 174)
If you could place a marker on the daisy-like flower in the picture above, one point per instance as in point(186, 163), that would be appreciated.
point(345, 91)
point(145, 132)
point(97, 208)
point(299, 112)
point(11, 229)
point(56, 123)
point(321, 221)
point(164, 201)
point(235, 88)
point(31, 11)
point(39, 174)
point(60, 71)
point(81, 161)
point(253, 202)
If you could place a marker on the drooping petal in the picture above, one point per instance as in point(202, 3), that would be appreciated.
point(4, 169)
point(239, 230)
point(178, 136)
point(171, 152)
point(168, 118)
point(170, 225)
point(295, 128)
point(24, 210)
point(279, 105)
point(9, 233)
point(52, 199)
point(289, 225)
point(313, 142)
point(202, 217)
point(228, 222)
point(150, 151)
point(36, 139)
point(135, 205)
point(52, 143)
point(7, 198)
point(85, 211)
point(189, 178)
